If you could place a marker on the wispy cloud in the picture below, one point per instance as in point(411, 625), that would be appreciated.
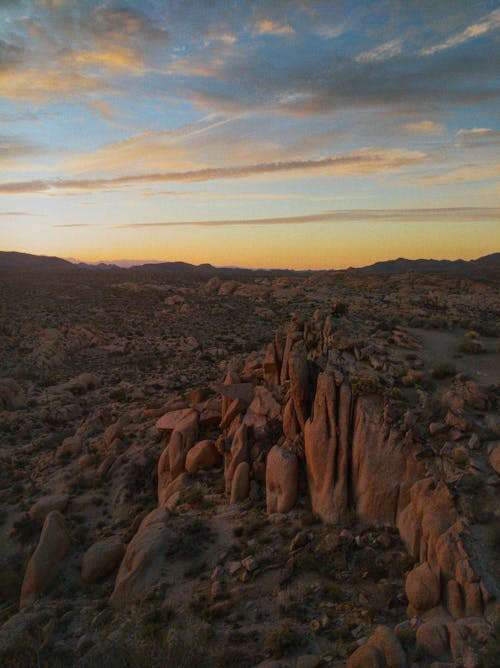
point(363, 162)
point(487, 24)
point(465, 174)
point(382, 52)
point(19, 213)
point(251, 196)
point(430, 215)
point(424, 128)
point(478, 137)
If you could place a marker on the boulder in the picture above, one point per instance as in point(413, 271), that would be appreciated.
point(422, 588)
point(454, 599)
point(46, 505)
point(182, 439)
point(102, 558)
point(203, 456)
point(172, 419)
point(113, 432)
point(271, 365)
point(367, 656)
point(144, 558)
point(212, 286)
point(382, 649)
point(240, 485)
point(43, 566)
point(385, 639)
point(494, 459)
point(172, 488)
point(282, 480)
point(433, 641)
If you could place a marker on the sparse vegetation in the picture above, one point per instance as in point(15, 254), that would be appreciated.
point(444, 370)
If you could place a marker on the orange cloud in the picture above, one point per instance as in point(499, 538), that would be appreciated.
point(268, 27)
point(34, 84)
point(363, 162)
point(424, 128)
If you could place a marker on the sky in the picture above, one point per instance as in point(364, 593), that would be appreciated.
point(299, 133)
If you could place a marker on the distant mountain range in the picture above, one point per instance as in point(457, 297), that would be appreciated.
point(402, 265)
point(25, 261)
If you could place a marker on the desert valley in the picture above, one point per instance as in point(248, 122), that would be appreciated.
point(223, 468)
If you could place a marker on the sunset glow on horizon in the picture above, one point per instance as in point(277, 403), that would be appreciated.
point(287, 134)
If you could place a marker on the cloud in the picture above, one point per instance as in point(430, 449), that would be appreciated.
point(12, 149)
point(466, 174)
point(431, 215)
point(267, 27)
point(476, 137)
point(365, 161)
point(474, 133)
point(424, 128)
point(487, 24)
point(381, 52)
point(19, 213)
point(103, 108)
point(331, 81)
point(250, 196)
point(39, 86)
point(74, 48)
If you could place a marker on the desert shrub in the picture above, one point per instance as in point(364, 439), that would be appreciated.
point(471, 344)
point(412, 377)
point(25, 528)
point(192, 539)
point(460, 458)
point(195, 496)
point(128, 648)
point(491, 651)
point(292, 602)
point(282, 639)
point(364, 385)
point(10, 582)
point(471, 483)
point(142, 475)
point(444, 370)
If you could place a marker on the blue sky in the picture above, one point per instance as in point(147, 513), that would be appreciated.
point(301, 134)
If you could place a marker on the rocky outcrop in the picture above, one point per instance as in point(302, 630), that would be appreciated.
point(362, 453)
point(326, 454)
point(43, 566)
point(144, 558)
point(282, 480)
point(383, 466)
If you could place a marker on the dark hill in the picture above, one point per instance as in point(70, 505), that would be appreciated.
point(13, 260)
